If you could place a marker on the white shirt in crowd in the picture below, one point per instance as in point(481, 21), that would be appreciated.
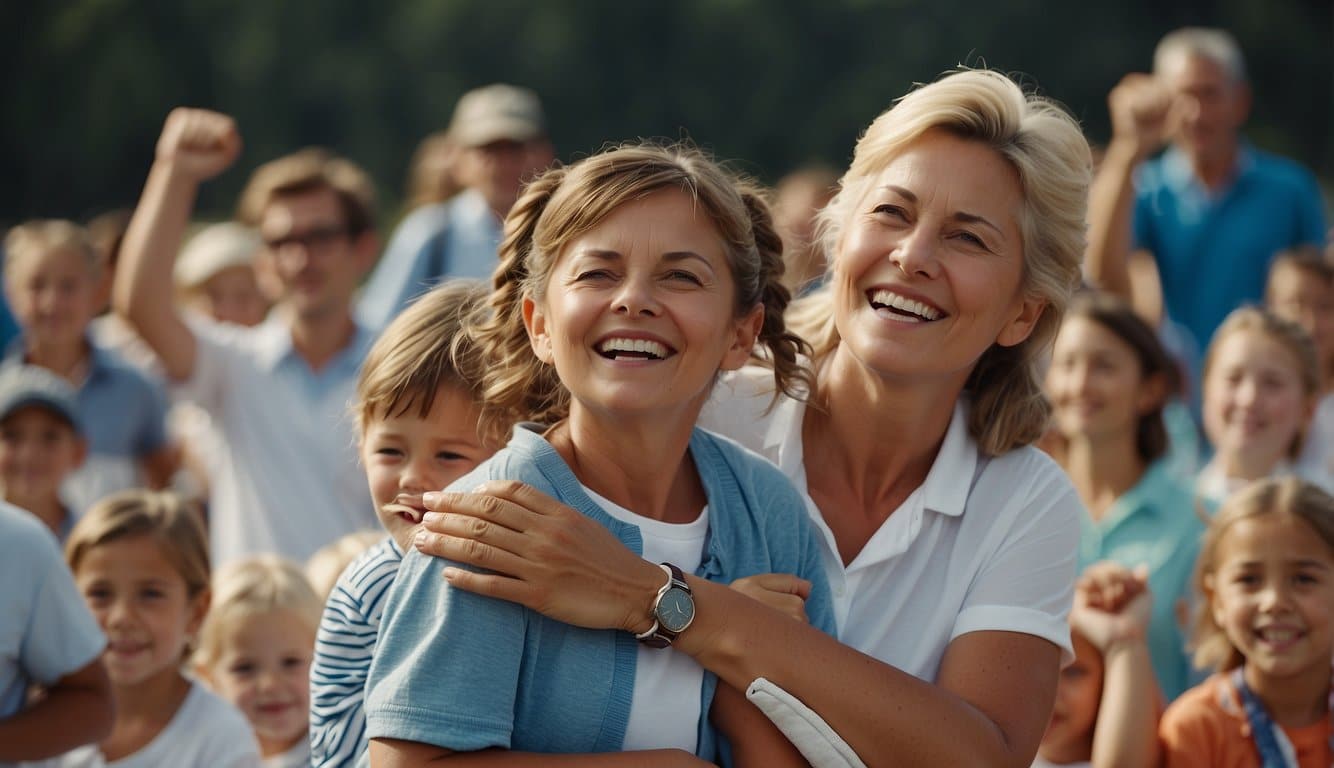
point(985, 544)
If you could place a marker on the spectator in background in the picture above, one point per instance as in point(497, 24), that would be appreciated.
point(1189, 235)
point(432, 174)
point(798, 197)
point(277, 393)
point(1301, 290)
point(500, 137)
point(215, 275)
point(51, 276)
point(41, 443)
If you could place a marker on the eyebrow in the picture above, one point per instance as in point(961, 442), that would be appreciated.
point(671, 256)
point(963, 216)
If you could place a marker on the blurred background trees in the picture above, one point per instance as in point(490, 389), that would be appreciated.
point(770, 83)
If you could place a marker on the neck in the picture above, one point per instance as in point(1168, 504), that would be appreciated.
point(1293, 700)
point(158, 695)
point(1216, 169)
point(270, 747)
point(638, 462)
point(1103, 469)
point(319, 337)
point(1247, 466)
point(857, 428)
point(65, 360)
point(47, 509)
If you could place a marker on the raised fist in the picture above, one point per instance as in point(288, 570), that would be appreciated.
point(1112, 604)
point(1141, 109)
point(198, 143)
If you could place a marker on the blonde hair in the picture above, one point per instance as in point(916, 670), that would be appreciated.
point(33, 240)
point(565, 202)
point(310, 170)
point(175, 523)
point(1286, 334)
point(1048, 151)
point(254, 588)
point(424, 348)
point(1289, 496)
point(325, 566)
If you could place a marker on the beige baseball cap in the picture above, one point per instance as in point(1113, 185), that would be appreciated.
point(495, 113)
point(215, 248)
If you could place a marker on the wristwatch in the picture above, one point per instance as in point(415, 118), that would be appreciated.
point(673, 610)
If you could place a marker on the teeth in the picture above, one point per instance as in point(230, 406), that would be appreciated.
point(1276, 635)
point(646, 346)
point(891, 299)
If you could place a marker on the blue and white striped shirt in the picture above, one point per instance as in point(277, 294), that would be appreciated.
point(343, 649)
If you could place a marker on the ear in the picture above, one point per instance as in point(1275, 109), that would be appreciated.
point(535, 322)
point(745, 330)
point(198, 609)
point(80, 451)
point(1021, 325)
point(1242, 106)
point(1208, 588)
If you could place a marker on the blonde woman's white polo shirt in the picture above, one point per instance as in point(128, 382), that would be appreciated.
point(984, 544)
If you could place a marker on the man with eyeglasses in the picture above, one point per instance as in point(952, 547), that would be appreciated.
point(289, 480)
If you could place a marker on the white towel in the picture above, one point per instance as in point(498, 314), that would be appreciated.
point(807, 731)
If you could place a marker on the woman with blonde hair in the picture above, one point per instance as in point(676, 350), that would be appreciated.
point(949, 542)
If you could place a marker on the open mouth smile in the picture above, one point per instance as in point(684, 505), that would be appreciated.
point(902, 307)
point(623, 348)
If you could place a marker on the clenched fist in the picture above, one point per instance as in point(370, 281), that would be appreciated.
point(198, 143)
point(1141, 109)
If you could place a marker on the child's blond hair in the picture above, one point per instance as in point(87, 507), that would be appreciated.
point(34, 239)
point(254, 588)
point(1289, 496)
point(325, 566)
point(174, 522)
point(424, 348)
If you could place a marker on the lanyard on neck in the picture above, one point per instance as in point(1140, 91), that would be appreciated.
point(1276, 750)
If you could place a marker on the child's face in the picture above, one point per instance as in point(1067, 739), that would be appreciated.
point(1254, 400)
point(1095, 383)
point(53, 296)
point(232, 296)
point(406, 456)
point(1069, 736)
point(1307, 300)
point(142, 604)
point(264, 670)
point(1272, 593)
point(639, 313)
point(38, 449)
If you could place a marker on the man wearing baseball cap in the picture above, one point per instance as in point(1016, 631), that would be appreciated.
point(41, 443)
point(500, 135)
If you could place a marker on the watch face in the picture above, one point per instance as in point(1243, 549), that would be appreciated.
point(676, 610)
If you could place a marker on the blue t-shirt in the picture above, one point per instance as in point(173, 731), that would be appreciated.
point(1213, 248)
point(1157, 523)
point(465, 672)
point(344, 646)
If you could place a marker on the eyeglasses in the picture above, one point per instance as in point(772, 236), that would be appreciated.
point(317, 239)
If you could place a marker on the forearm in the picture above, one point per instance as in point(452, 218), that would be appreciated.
point(886, 715)
point(402, 754)
point(1126, 733)
point(1111, 202)
point(143, 288)
point(67, 717)
point(755, 741)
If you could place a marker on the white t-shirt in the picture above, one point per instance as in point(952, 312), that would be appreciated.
point(665, 705)
point(984, 544)
point(296, 757)
point(1318, 453)
point(206, 732)
point(288, 480)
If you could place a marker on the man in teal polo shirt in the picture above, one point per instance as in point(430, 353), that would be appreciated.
point(1189, 235)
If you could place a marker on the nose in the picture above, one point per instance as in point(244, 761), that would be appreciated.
point(635, 296)
point(416, 476)
point(119, 612)
point(915, 253)
point(1245, 392)
point(1274, 597)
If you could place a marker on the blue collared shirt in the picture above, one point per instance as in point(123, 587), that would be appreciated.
point(466, 672)
point(1157, 523)
point(456, 238)
point(1213, 248)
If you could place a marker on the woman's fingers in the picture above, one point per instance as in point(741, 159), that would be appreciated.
point(474, 529)
point(471, 552)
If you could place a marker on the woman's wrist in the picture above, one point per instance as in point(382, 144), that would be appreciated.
point(646, 582)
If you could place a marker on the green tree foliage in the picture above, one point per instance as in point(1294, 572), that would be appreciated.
point(772, 83)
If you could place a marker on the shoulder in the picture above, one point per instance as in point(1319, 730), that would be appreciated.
point(1032, 477)
point(26, 546)
point(208, 719)
point(424, 222)
point(745, 406)
point(1282, 171)
point(121, 374)
point(1199, 713)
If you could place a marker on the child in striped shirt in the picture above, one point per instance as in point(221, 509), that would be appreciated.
point(417, 410)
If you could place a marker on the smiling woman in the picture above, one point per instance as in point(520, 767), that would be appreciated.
point(627, 282)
